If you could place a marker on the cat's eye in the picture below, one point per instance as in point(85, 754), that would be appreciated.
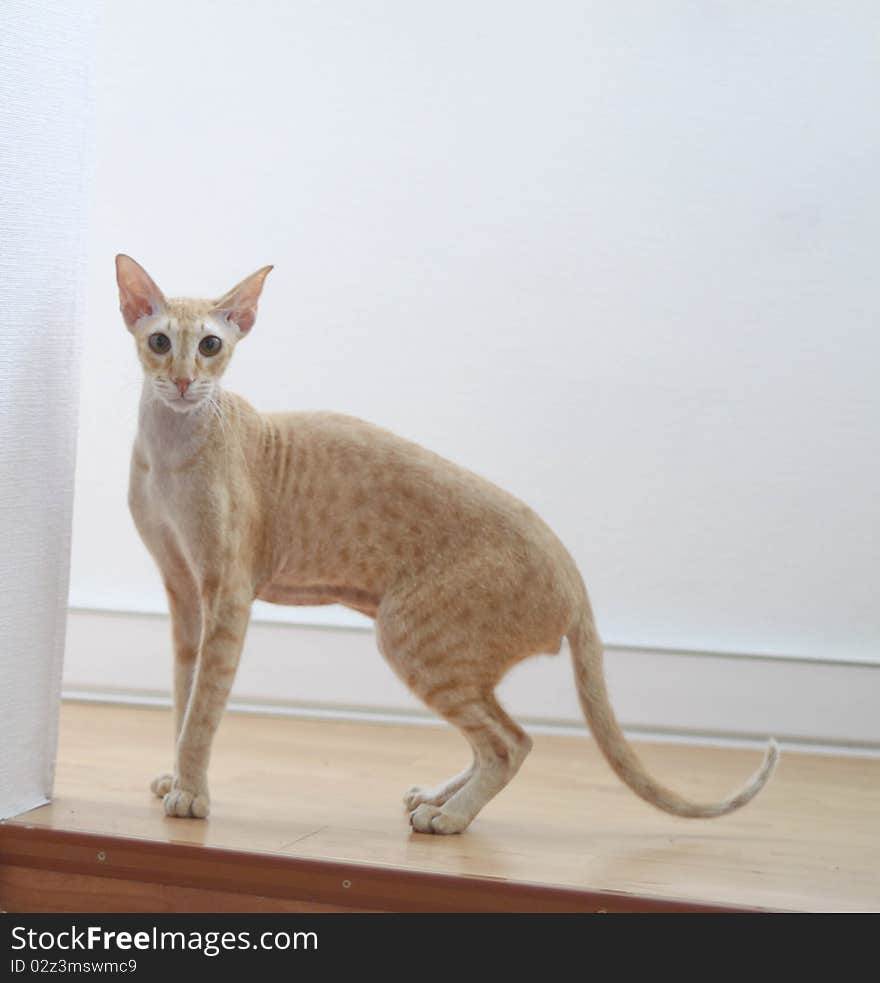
point(210, 345)
point(160, 343)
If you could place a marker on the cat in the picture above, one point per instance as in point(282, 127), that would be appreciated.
point(462, 579)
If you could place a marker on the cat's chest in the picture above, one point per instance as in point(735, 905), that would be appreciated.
point(163, 487)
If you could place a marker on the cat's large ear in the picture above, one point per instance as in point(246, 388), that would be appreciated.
point(239, 306)
point(138, 294)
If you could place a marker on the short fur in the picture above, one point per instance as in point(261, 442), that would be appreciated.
point(462, 579)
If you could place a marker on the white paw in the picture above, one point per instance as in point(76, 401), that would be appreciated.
point(161, 785)
point(417, 795)
point(432, 819)
point(187, 804)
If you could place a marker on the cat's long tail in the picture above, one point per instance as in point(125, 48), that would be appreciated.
point(586, 655)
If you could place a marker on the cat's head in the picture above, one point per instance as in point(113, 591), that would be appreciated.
point(184, 345)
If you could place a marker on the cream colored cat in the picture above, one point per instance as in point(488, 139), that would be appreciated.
point(462, 579)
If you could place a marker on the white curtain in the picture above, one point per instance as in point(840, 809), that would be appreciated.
point(46, 61)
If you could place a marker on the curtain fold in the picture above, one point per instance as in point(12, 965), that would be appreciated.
point(47, 52)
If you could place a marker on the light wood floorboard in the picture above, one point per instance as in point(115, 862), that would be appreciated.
point(332, 790)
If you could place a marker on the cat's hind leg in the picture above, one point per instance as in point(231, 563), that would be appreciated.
point(432, 639)
point(500, 747)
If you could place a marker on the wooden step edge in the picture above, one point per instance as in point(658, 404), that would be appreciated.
point(326, 882)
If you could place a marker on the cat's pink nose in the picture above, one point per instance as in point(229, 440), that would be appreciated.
point(182, 385)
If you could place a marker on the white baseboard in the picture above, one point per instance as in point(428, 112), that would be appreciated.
point(337, 672)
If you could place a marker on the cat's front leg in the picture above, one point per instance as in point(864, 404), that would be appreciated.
point(186, 627)
point(225, 617)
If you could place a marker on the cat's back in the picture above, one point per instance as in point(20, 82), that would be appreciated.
point(362, 451)
point(355, 460)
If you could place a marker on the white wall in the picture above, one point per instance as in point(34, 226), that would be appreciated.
point(46, 53)
point(620, 258)
point(299, 670)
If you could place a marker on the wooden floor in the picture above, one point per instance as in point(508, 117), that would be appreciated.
point(332, 791)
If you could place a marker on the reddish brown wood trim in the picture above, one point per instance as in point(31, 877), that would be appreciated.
point(27, 889)
point(294, 878)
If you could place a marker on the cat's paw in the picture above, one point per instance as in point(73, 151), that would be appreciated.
point(436, 795)
point(186, 804)
point(432, 819)
point(161, 785)
point(431, 796)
